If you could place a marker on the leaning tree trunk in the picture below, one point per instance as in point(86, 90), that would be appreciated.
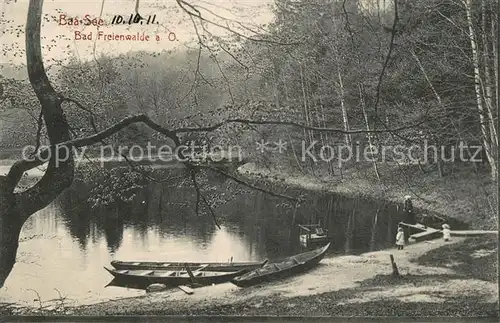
point(494, 44)
point(373, 238)
point(10, 228)
point(487, 84)
point(331, 169)
point(368, 135)
point(345, 118)
point(350, 231)
point(16, 208)
point(340, 84)
point(483, 115)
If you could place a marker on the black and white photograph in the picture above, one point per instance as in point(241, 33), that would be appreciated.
point(249, 160)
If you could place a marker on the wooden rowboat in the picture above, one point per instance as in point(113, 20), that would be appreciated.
point(290, 266)
point(176, 266)
point(144, 278)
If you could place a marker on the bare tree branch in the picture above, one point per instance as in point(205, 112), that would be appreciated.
point(242, 182)
point(137, 6)
point(293, 124)
point(388, 56)
point(199, 195)
point(21, 166)
point(194, 12)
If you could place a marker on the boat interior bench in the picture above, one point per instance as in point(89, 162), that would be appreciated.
point(195, 274)
point(148, 272)
point(297, 261)
point(166, 274)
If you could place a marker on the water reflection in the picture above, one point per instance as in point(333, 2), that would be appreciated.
point(68, 243)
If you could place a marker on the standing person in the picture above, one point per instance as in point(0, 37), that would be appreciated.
point(408, 208)
point(446, 232)
point(400, 238)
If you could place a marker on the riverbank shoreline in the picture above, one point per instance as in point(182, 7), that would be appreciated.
point(465, 195)
point(437, 278)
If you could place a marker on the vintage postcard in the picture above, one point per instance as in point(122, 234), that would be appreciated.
point(249, 158)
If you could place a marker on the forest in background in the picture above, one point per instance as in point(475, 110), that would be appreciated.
point(408, 73)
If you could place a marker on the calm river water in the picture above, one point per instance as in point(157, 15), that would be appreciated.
point(65, 246)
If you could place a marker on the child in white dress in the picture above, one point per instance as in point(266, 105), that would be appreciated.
point(446, 232)
point(400, 239)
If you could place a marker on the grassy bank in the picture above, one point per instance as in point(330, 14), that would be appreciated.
point(438, 279)
point(457, 278)
point(465, 194)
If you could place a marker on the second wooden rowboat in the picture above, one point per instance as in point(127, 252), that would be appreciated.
point(290, 266)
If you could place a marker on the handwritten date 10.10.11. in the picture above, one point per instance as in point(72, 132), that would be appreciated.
point(134, 19)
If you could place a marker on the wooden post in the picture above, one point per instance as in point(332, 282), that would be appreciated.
point(190, 273)
point(395, 271)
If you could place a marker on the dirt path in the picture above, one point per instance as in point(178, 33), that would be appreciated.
point(354, 279)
